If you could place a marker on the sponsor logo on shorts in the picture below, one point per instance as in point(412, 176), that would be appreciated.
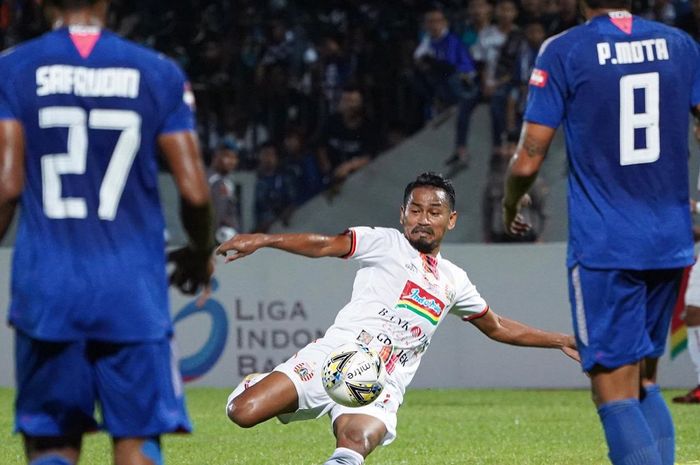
point(419, 301)
point(304, 371)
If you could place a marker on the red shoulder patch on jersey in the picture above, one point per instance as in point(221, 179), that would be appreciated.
point(539, 77)
point(622, 20)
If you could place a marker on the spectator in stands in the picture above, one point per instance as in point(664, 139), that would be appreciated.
point(302, 165)
point(274, 190)
point(567, 17)
point(445, 72)
point(496, 76)
point(534, 10)
point(225, 192)
point(479, 17)
point(492, 200)
point(663, 11)
point(690, 21)
point(335, 70)
point(348, 140)
point(524, 61)
point(247, 135)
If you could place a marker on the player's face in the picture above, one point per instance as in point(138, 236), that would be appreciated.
point(426, 218)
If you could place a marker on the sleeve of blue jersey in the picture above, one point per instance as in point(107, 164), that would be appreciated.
point(179, 112)
point(546, 102)
point(695, 59)
point(6, 95)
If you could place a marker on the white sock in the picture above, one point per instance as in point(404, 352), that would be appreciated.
point(694, 348)
point(345, 456)
point(248, 381)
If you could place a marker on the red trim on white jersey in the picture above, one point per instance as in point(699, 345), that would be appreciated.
point(353, 244)
point(476, 315)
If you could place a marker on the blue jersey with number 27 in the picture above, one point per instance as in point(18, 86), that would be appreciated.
point(89, 256)
point(623, 86)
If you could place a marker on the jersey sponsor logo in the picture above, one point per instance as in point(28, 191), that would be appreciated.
point(539, 77)
point(630, 52)
point(419, 301)
point(87, 82)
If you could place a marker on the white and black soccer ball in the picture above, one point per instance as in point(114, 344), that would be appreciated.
point(353, 375)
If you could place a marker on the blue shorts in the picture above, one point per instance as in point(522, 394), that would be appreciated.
point(137, 386)
point(621, 316)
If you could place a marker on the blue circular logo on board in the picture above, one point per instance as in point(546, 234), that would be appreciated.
point(199, 363)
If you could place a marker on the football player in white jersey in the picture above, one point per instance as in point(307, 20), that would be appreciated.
point(407, 265)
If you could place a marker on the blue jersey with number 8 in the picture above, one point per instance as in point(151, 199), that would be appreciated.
point(89, 256)
point(623, 86)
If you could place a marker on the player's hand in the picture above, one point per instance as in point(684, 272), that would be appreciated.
point(513, 221)
point(193, 270)
point(570, 349)
point(239, 246)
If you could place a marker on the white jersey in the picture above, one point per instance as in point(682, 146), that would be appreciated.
point(399, 299)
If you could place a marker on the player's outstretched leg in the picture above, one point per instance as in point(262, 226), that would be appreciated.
point(272, 395)
point(630, 440)
point(656, 412)
point(356, 436)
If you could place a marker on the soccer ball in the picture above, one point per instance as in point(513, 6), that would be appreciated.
point(353, 375)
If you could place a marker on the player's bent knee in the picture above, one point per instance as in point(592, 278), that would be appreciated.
point(357, 439)
point(243, 412)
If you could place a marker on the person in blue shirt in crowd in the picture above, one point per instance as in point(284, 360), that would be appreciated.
point(446, 72)
point(274, 190)
point(83, 114)
point(623, 86)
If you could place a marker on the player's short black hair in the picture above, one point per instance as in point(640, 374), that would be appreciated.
point(430, 179)
point(70, 4)
point(596, 4)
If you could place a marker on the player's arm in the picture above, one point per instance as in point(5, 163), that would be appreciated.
point(535, 140)
point(11, 171)
point(507, 331)
point(181, 151)
point(306, 244)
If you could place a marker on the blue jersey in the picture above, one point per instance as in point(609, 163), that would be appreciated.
point(89, 259)
point(623, 86)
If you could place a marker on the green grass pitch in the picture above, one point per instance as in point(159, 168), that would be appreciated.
point(435, 427)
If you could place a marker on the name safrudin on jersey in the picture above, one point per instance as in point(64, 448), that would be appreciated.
point(635, 51)
point(87, 82)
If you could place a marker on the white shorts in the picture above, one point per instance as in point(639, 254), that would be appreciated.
point(304, 369)
point(692, 292)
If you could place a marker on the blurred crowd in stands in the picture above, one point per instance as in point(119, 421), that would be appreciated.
point(304, 93)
